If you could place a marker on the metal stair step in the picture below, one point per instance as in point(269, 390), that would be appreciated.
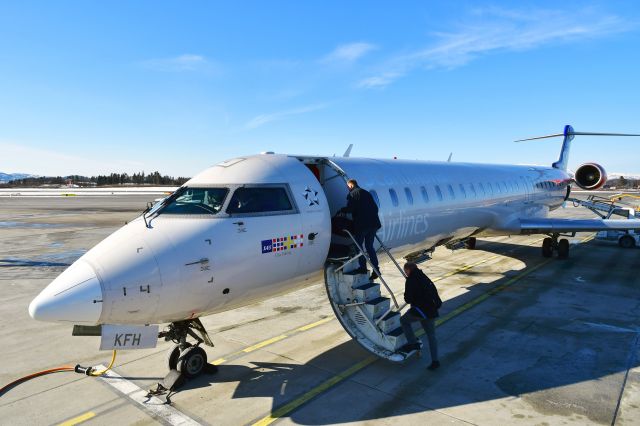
point(390, 322)
point(397, 338)
point(377, 307)
point(354, 280)
point(367, 292)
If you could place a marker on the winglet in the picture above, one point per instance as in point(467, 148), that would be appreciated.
point(348, 151)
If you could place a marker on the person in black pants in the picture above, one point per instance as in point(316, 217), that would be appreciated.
point(422, 295)
point(366, 223)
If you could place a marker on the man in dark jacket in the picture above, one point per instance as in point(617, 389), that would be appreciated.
point(422, 295)
point(366, 223)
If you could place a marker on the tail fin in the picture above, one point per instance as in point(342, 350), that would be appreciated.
point(566, 147)
point(569, 134)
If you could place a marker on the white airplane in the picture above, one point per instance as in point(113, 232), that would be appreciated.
point(254, 227)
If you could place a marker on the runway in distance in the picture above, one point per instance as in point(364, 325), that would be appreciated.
point(254, 227)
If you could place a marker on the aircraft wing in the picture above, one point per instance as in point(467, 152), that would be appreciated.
point(550, 225)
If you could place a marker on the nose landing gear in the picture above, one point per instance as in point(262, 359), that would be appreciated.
point(552, 243)
point(190, 360)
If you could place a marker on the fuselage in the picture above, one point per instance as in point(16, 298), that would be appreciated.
point(253, 227)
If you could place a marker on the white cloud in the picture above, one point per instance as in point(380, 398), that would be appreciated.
point(185, 62)
point(349, 53)
point(263, 119)
point(496, 30)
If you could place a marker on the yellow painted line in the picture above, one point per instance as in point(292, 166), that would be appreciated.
point(264, 343)
point(286, 409)
point(315, 324)
point(219, 361)
point(77, 420)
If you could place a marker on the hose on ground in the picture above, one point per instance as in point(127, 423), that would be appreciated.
point(89, 371)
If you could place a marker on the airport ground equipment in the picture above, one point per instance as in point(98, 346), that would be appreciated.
point(625, 239)
point(371, 319)
point(605, 207)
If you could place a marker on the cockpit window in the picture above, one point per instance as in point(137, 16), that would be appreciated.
point(260, 200)
point(197, 201)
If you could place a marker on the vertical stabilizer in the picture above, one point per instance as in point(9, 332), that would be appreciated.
point(566, 147)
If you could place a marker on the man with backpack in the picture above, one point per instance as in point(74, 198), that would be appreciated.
point(422, 295)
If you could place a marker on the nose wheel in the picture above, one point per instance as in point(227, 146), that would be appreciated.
point(188, 359)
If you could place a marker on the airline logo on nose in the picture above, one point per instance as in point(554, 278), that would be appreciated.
point(280, 244)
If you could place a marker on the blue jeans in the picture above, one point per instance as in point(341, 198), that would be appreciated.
point(368, 235)
point(429, 325)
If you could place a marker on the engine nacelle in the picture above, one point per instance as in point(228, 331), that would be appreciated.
point(590, 176)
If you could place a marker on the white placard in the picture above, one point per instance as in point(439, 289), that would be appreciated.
point(128, 337)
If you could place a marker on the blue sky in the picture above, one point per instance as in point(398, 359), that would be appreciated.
point(94, 87)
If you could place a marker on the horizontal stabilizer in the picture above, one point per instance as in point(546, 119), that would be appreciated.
point(549, 225)
point(568, 135)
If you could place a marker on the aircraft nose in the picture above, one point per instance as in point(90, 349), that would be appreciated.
point(75, 296)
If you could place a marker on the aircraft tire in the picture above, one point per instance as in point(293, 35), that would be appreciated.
point(193, 362)
point(547, 247)
point(173, 354)
point(626, 241)
point(471, 243)
point(563, 248)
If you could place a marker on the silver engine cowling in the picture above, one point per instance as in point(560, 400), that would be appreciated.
point(590, 176)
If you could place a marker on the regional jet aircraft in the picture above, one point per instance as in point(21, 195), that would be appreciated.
point(254, 227)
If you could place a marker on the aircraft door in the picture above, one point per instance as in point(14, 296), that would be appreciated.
point(316, 222)
point(257, 249)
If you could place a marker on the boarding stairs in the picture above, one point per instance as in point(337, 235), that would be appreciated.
point(605, 207)
point(371, 319)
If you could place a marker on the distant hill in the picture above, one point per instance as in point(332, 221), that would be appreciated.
point(6, 177)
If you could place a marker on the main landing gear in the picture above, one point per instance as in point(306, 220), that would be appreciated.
point(552, 243)
point(190, 360)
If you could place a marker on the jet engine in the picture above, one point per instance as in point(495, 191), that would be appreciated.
point(590, 176)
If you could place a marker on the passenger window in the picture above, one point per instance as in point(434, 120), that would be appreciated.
point(451, 193)
point(374, 194)
point(409, 195)
point(425, 194)
point(259, 200)
point(505, 188)
point(394, 197)
point(481, 187)
point(438, 193)
point(474, 194)
point(196, 201)
point(464, 192)
point(489, 188)
point(497, 188)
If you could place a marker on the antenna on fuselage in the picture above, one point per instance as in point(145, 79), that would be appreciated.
point(569, 134)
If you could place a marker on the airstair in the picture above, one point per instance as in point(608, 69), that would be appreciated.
point(370, 318)
point(605, 207)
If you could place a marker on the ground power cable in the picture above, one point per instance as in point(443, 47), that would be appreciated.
point(88, 371)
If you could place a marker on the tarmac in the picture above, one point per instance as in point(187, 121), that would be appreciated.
point(523, 340)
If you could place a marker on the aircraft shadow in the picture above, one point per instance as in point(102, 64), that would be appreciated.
point(489, 352)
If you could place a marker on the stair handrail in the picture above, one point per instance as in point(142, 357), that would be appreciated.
point(363, 253)
point(386, 250)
